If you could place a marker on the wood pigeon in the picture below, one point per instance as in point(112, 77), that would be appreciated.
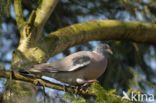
point(78, 68)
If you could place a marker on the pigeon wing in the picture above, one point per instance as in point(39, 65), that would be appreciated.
point(70, 63)
point(79, 63)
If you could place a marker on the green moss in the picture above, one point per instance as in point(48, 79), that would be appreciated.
point(74, 98)
point(101, 96)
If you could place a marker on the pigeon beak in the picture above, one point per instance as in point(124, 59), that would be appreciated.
point(110, 51)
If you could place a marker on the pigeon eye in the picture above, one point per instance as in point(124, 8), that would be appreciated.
point(105, 46)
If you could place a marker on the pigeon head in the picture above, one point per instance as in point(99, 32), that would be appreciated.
point(103, 49)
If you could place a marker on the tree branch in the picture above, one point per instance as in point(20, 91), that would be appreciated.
point(40, 82)
point(43, 12)
point(92, 91)
point(99, 30)
point(19, 14)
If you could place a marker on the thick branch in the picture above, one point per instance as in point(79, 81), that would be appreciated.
point(18, 13)
point(43, 12)
point(99, 30)
point(41, 82)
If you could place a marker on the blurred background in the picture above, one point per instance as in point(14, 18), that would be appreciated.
point(133, 65)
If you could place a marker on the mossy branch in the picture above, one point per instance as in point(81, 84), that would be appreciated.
point(94, 91)
point(41, 82)
point(99, 30)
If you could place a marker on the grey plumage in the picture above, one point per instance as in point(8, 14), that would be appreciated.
point(77, 68)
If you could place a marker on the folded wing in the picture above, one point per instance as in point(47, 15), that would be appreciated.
point(70, 63)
